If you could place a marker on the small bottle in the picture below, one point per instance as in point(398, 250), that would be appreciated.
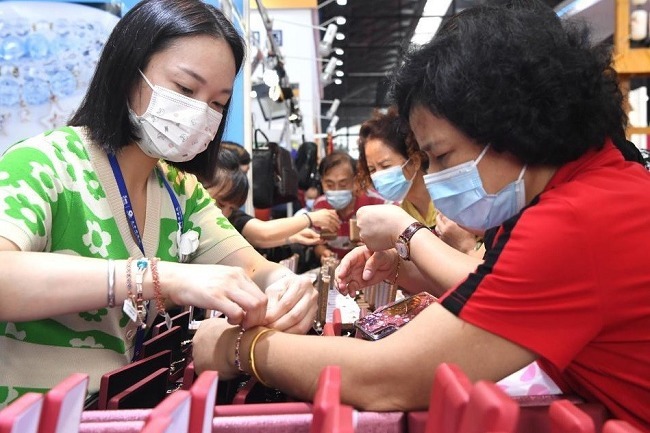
point(638, 23)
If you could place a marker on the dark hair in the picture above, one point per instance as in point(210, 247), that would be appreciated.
point(519, 78)
point(149, 27)
point(242, 154)
point(392, 131)
point(334, 159)
point(238, 190)
point(226, 159)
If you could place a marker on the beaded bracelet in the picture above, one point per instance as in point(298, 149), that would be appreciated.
point(110, 295)
point(160, 301)
point(237, 350)
point(251, 357)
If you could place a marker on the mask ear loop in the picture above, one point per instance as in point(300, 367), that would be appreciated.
point(521, 173)
point(146, 80)
point(481, 155)
point(414, 174)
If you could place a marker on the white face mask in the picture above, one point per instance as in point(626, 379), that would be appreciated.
point(174, 127)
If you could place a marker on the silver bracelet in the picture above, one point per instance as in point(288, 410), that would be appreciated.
point(111, 283)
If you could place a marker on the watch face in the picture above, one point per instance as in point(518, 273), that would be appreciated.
point(402, 249)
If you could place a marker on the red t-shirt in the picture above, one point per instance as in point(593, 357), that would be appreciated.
point(569, 279)
point(342, 245)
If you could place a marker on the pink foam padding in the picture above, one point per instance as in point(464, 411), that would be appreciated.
point(566, 417)
point(283, 408)
point(63, 405)
point(619, 426)
point(489, 409)
point(204, 395)
point(367, 422)
point(22, 415)
point(112, 427)
point(115, 415)
point(161, 424)
point(177, 408)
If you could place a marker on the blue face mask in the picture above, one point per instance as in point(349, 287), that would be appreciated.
point(458, 193)
point(339, 199)
point(309, 203)
point(391, 183)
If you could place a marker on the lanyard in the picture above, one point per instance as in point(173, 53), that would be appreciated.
point(128, 211)
point(126, 201)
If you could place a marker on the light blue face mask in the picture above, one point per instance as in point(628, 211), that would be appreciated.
point(339, 199)
point(391, 183)
point(458, 193)
point(309, 203)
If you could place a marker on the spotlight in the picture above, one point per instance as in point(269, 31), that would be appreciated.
point(326, 77)
point(335, 106)
point(332, 126)
point(325, 46)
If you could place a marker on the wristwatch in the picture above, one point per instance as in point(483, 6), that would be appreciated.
point(402, 244)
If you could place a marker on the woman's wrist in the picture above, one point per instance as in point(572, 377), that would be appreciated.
point(310, 222)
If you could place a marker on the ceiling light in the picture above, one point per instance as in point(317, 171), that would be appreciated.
point(341, 2)
point(339, 73)
point(340, 36)
point(341, 20)
point(338, 81)
point(339, 62)
point(339, 51)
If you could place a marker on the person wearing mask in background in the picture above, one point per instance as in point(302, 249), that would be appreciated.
point(518, 111)
point(391, 162)
point(102, 226)
point(338, 172)
point(229, 188)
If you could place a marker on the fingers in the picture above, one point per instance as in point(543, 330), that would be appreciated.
point(297, 318)
point(242, 301)
point(289, 300)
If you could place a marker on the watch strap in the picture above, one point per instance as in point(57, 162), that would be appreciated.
point(408, 232)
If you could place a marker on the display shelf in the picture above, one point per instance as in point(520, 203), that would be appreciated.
point(629, 62)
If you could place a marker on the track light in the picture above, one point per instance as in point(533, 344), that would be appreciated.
point(325, 46)
point(328, 73)
point(332, 126)
point(332, 111)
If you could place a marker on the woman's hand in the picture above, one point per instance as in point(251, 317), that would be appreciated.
point(381, 224)
point(213, 348)
point(216, 287)
point(454, 235)
point(306, 237)
point(361, 268)
point(325, 219)
point(292, 304)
